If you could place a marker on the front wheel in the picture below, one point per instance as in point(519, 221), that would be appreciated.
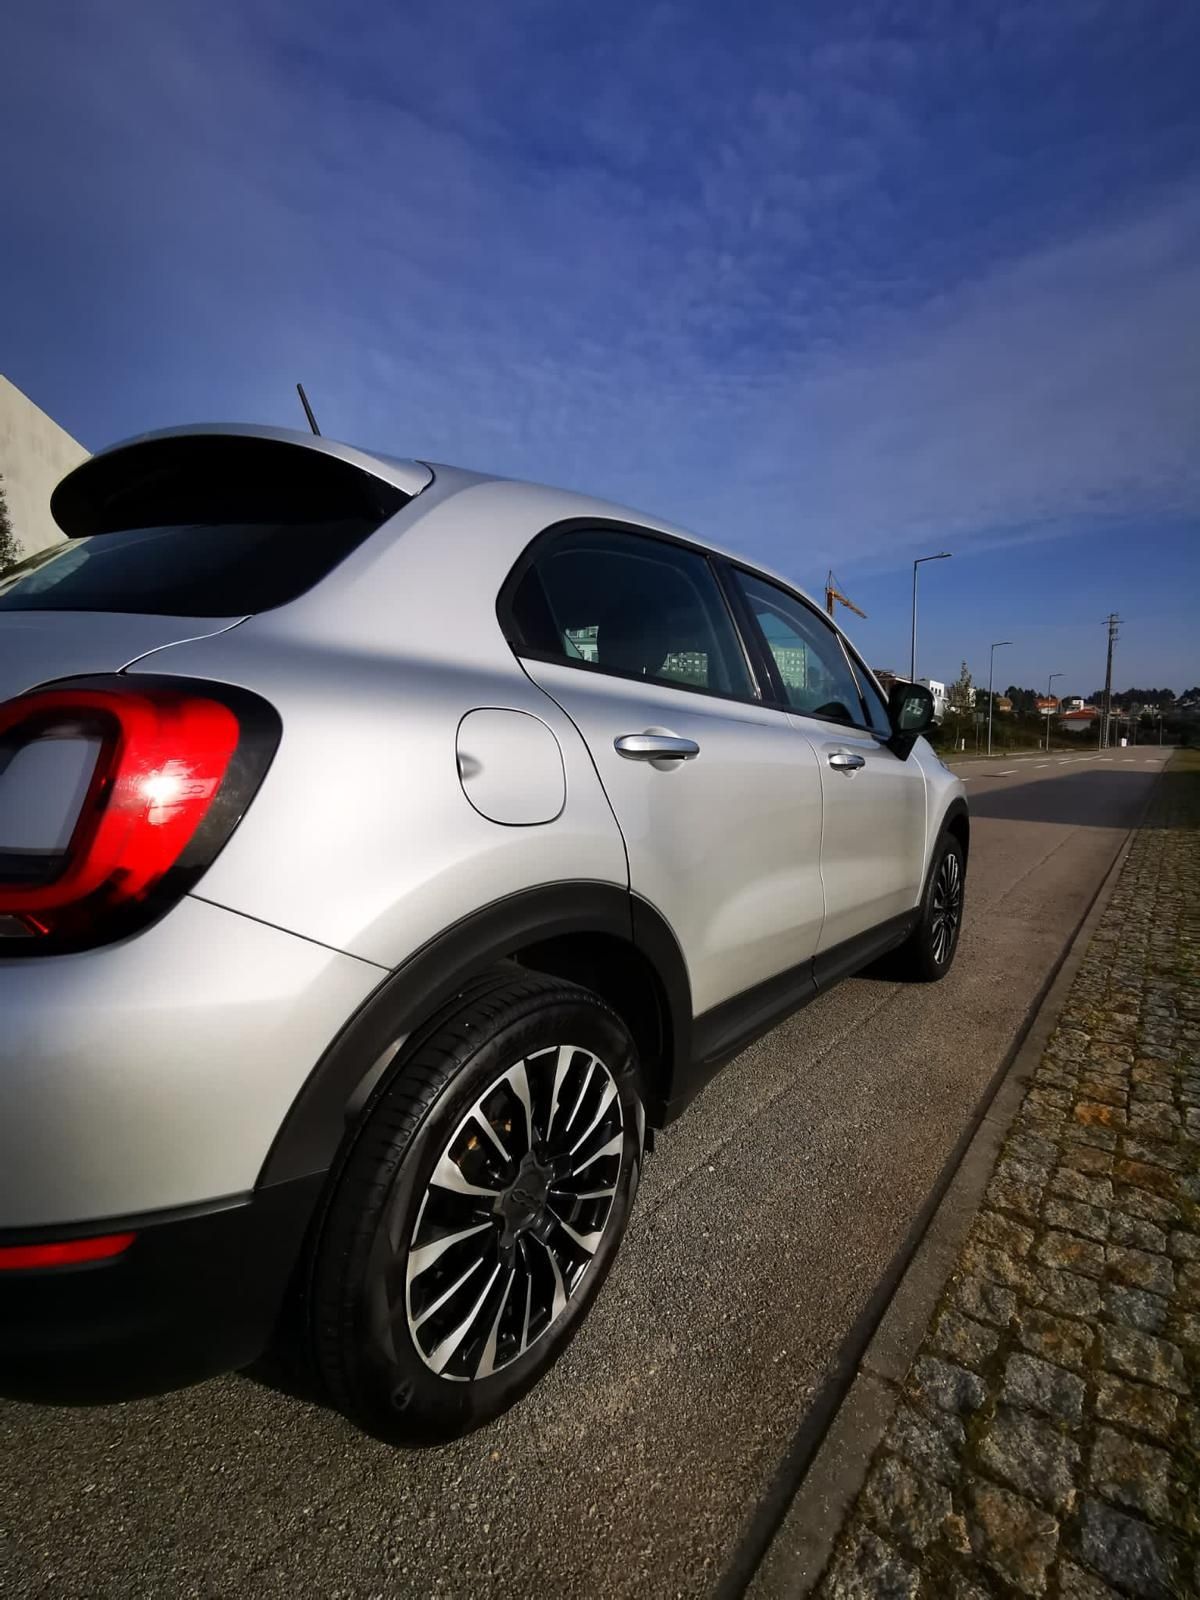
point(929, 951)
point(479, 1211)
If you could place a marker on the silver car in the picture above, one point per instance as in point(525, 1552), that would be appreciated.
point(385, 852)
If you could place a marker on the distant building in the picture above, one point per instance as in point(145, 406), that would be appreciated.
point(1047, 705)
point(792, 661)
point(1079, 719)
point(938, 691)
point(584, 642)
point(34, 454)
point(1071, 702)
point(1004, 705)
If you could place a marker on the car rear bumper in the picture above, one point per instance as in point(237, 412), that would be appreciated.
point(154, 1075)
point(196, 1294)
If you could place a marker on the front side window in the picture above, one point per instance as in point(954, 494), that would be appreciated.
point(878, 715)
point(632, 605)
point(817, 680)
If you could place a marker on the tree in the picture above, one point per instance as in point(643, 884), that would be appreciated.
point(1024, 701)
point(960, 696)
point(960, 702)
point(10, 550)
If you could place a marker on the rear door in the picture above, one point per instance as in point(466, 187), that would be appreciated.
point(873, 832)
point(718, 800)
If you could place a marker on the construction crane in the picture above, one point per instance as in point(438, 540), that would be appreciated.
point(832, 593)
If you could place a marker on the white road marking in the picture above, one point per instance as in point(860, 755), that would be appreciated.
point(1007, 773)
point(1043, 763)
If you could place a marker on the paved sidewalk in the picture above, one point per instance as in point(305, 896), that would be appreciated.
point(1048, 1439)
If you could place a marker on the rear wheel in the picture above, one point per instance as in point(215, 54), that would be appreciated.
point(929, 951)
point(479, 1211)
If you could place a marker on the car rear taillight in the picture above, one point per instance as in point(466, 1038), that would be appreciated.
point(115, 795)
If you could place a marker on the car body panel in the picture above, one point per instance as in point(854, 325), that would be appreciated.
point(873, 837)
point(156, 1073)
point(39, 647)
point(945, 791)
point(726, 846)
point(362, 835)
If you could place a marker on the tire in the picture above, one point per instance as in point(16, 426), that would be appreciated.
point(515, 1128)
point(928, 953)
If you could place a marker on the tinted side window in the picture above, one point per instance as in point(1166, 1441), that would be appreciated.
point(817, 680)
point(630, 604)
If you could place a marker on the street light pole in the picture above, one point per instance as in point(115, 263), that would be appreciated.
point(1049, 696)
point(991, 666)
point(943, 555)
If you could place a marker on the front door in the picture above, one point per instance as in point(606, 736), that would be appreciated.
point(718, 800)
point(873, 832)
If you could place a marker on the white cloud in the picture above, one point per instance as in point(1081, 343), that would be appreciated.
point(691, 280)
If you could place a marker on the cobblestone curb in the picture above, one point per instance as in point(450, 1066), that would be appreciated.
point(1048, 1437)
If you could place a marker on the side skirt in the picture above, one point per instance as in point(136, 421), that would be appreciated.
point(722, 1032)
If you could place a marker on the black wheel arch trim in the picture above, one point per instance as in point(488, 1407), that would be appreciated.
point(357, 1062)
point(956, 809)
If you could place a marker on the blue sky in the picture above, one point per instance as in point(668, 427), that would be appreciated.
point(832, 284)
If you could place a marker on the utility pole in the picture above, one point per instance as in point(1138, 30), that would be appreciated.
point(1113, 622)
point(1049, 696)
point(991, 666)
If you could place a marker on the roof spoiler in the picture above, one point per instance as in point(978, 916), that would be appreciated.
point(168, 475)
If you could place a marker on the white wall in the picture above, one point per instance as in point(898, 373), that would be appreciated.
point(938, 691)
point(34, 454)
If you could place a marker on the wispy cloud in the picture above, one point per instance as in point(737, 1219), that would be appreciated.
point(876, 275)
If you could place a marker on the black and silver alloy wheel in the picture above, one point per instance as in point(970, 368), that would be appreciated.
point(514, 1212)
point(928, 952)
point(478, 1208)
point(947, 907)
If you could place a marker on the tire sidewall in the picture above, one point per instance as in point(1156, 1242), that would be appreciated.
point(397, 1394)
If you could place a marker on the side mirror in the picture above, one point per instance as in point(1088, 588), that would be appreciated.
point(911, 712)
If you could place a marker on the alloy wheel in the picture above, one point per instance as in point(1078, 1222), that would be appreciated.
point(947, 907)
point(513, 1214)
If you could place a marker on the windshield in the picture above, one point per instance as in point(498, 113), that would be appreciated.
point(190, 570)
point(200, 525)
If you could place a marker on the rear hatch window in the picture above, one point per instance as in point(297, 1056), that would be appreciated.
point(200, 526)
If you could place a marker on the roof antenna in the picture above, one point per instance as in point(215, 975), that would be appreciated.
point(308, 410)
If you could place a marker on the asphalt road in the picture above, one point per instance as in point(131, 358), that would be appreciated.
point(767, 1217)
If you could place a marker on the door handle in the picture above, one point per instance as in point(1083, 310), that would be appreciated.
point(846, 761)
point(655, 747)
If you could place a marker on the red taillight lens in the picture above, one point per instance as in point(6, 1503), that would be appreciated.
point(106, 790)
point(64, 1253)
